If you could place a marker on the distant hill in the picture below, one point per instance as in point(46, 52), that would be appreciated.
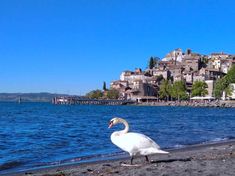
point(29, 97)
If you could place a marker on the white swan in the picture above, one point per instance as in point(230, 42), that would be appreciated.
point(133, 143)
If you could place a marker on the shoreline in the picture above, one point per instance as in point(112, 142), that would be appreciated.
point(199, 159)
point(208, 104)
point(212, 104)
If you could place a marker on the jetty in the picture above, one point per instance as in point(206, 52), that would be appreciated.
point(73, 100)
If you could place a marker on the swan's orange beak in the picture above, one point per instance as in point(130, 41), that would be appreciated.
point(110, 124)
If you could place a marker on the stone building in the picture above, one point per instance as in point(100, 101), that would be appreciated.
point(220, 55)
point(176, 72)
point(141, 89)
point(175, 55)
point(210, 87)
point(213, 74)
point(157, 72)
point(131, 76)
point(191, 63)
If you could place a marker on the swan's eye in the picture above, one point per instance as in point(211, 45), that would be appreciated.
point(110, 123)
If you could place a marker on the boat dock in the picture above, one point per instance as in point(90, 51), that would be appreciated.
point(86, 101)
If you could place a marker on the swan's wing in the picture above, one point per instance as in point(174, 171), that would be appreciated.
point(142, 141)
point(134, 142)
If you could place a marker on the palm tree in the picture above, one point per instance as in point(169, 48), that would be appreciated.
point(199, 88)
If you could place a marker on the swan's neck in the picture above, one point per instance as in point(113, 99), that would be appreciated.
point(126, 129)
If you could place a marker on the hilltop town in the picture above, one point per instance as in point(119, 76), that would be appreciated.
point(179, 67)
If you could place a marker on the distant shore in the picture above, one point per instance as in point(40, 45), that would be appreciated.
point(199, 103)
point(204, 159)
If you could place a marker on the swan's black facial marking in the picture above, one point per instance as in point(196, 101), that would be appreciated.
point(111, 124)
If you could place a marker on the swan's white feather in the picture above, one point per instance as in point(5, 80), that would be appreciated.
point(135, 143)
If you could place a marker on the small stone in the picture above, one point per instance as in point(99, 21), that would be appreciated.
point(89, 170)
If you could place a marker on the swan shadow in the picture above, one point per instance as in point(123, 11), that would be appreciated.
point(171, 160)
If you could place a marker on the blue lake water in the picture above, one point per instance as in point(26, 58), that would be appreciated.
point(41, 134)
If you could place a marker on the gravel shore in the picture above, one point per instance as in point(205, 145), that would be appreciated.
point(198, 103)
point(206, 159)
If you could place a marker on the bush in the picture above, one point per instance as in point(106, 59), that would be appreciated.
point(95, 94)
point(112, 94)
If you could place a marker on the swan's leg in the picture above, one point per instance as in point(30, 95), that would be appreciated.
point(132, 165)
point(147, 159)
point(132, 160)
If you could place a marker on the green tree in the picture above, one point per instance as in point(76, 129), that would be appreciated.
point(230, 77)
point(229, 90)
point(153, 61)
point(113, 94)
point(95, 94)
point(220, 86)
point(199, 88)
point(223, 84)
point(178, 90)
point(104, 86)
point(165, 87)
point(159, 78)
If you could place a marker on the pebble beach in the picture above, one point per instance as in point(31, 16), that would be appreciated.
point(204, 159)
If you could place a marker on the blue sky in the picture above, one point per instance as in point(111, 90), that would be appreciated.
point(62, 46)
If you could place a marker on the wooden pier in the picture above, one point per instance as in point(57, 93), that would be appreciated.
point(86, 101)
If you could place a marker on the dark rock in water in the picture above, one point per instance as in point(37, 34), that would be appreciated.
point(10, 165)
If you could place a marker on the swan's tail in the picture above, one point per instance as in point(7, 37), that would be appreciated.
point(162, 151)
point(150, 151)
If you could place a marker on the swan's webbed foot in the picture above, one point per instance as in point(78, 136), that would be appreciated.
point(131, 164)
point(132, 158)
